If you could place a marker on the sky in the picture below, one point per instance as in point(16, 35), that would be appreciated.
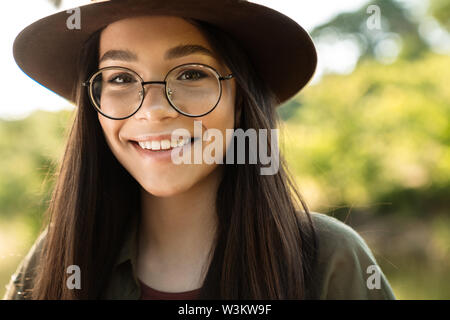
point(21, 95)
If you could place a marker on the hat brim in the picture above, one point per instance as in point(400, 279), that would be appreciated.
point(280, 49)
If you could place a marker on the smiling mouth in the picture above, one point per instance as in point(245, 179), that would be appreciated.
point(163, 145)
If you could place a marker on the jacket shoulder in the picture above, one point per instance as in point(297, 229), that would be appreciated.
point(335, 234)
point(21, 283)
point(346, 266)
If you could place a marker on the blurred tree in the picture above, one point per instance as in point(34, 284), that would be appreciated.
point(56, 3)
point(31, 149)
point(397, 26)
point(288, 109)
point(440, 9)
point(378, 135)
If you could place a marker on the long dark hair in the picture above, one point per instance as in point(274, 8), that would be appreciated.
point(265, 242)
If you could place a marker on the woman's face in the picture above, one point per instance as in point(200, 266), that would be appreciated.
point(148, 39)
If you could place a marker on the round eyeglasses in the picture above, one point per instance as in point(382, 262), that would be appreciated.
point(192, 89)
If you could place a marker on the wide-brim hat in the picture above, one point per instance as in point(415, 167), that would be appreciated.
point(281, 51)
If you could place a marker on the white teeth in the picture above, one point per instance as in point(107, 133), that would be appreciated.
point(145, 145)
point(156, 145)
point(164, 144)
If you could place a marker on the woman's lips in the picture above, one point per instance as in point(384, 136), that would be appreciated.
point(158, 155)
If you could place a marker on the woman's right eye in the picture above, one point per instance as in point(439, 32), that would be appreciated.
point(121, 79)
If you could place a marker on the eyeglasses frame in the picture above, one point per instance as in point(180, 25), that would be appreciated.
point(88, 85)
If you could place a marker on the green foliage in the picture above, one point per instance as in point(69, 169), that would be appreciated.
point(56, 3)
point(395, 20)
point(31, 149)
point(378, 136)
point(440, 9)
point(288, 109)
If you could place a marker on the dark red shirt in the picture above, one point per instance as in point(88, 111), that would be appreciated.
point(148, 293)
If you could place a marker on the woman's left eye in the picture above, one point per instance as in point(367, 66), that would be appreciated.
point(192, 75)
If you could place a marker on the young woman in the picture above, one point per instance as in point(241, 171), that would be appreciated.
point(127, 220)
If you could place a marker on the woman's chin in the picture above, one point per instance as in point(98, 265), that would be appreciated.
point(174, 182)
point(166, 190)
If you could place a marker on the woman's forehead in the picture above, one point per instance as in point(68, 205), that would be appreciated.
point(154, 30)
point(160, 37)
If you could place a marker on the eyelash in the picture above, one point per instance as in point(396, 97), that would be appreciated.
point(122, 75)
point(194, 71)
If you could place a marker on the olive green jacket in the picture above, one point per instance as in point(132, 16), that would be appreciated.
point(346, 267)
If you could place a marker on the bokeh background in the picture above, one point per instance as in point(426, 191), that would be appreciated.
point(367, 140)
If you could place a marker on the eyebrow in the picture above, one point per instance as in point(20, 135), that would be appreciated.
point(173, 53)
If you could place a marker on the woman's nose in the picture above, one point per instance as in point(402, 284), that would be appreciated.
point(155, 105)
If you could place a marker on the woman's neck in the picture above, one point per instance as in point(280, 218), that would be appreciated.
point(176, 234)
